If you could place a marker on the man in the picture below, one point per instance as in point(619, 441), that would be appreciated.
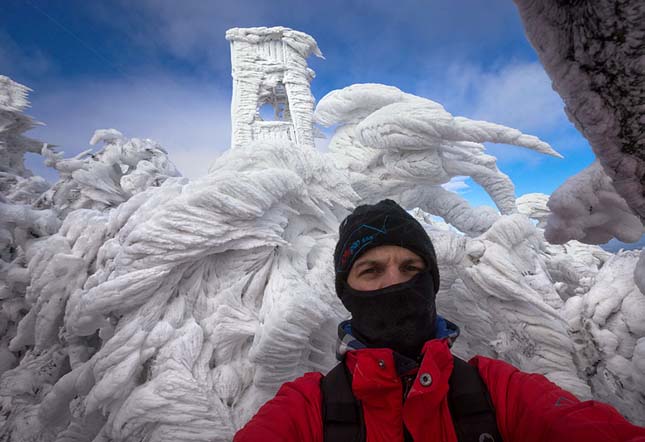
point(398, 380)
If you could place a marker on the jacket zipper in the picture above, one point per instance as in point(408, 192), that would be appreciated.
point(407, 380)
point(407, 385)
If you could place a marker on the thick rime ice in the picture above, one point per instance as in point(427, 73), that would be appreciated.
point(398, 145)
point(41, 265)
point(201, 299)
point(17, 184)
point(169, 309)
point(21, 222)
point(593, 52)
point(106, 179)
point(609, 335)
point(534, 205)
point(269, 67)
point(587, 208)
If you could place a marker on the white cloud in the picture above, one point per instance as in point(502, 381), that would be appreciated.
point(457, 184)
point(191, 121)
point(513, 93)
point(517, 94)
point(192, 32)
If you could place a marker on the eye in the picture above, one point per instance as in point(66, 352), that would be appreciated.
point(368, 270)
point(413, 268)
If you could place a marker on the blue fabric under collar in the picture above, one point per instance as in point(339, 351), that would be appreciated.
point(347, 342)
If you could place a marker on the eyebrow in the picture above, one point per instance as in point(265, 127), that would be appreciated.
point(414, 261)
point(369, 262)
point(366, 263)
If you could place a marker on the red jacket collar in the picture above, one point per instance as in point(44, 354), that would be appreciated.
point(377, 385)
point(376, 366)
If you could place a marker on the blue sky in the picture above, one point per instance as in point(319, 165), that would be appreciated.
point(160, 69)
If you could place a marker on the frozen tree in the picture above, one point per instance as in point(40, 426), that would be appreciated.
point(21, 224)
point(604, 310)
point(397, 144)
point(587, 208)
point(105, 179)
point(593, 52)
point(44, 260)
point(17, 183)
point(168, 309)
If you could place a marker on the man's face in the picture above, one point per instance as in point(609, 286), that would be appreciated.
point(384, 266)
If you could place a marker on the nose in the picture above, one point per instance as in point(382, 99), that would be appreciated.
point(392, 276)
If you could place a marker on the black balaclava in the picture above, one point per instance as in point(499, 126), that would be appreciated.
point(401, 317)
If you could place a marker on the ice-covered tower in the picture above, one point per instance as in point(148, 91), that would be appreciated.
point(270, 73)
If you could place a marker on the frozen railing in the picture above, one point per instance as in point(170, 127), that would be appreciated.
point(274, 131)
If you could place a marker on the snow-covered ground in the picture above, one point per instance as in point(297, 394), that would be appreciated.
point(137, 304)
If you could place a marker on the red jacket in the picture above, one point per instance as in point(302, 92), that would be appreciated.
point(528, 407)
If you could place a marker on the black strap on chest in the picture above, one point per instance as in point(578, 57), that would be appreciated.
point(342, 414)
point(468, 399)
point(470, 405)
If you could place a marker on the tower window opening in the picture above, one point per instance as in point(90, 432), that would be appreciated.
point(274, 111)
point(273, 104)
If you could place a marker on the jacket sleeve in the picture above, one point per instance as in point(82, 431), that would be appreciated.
point(530, 408)
point(294, 414)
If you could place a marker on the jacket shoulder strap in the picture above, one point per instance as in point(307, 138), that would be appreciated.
point(470, 405)
point(341, 412)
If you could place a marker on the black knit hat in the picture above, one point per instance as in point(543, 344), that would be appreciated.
point(373, 225)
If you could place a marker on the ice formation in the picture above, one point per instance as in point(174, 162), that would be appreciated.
point(106, 179)
point(588, 209)
point(534, 205)
point(169, 309)
point(399, 145)
point(17, 183)
point(269, 67)
point(50, 241)
point(609, 335)
point(21, 223)
point(593, 52)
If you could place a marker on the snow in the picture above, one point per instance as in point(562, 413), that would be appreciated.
point(137, 304)
point(269, 66)
point(588, 209)
point(594, 56)
point(405, 147)
point(106, 179)
point(608, 330)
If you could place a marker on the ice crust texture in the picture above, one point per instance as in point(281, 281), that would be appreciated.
point(594, 52)
point(151, 307)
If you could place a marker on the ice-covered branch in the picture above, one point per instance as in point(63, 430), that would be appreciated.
point(588, 209)
point(393, 143)
point(593, 52)
point(22, 225)
point(105, 179)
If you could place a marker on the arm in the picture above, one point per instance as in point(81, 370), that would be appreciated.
point(294, 414)
point(530, 408)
